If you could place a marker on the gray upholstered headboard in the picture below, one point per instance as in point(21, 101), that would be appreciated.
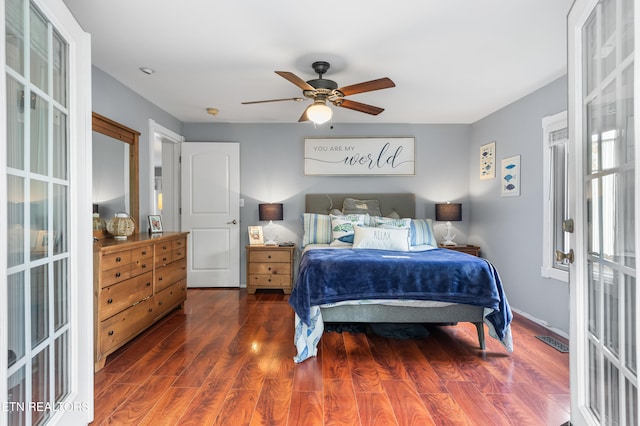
point(402, 203)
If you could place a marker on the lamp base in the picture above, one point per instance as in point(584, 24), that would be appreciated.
point(448, 238)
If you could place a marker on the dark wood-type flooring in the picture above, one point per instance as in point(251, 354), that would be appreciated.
point(226, 359)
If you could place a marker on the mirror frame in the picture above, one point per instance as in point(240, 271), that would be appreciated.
point(108, 127)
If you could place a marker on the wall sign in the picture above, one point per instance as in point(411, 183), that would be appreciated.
point(359, 156)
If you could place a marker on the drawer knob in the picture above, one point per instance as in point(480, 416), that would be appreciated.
point(117, 274)
point(269, 257)
point(118, 259)
point(269, 268)
point(148, 284)
point(110, 300)
point(269, 279)
point(160, 303)
point(159, 278)
point(144, 266)
point(144, 252)
point(150, 309)
point(110, 333)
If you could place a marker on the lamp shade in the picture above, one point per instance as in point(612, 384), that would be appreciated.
point(319, 113)
point(448, 212)
point(270, 211)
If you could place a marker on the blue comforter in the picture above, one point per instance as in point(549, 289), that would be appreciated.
point(327, 276)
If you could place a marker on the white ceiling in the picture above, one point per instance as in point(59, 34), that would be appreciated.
point(453, 61)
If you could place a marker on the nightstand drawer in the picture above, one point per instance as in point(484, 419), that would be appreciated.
point(270, 268)
point(269, 256)
point(270, 280)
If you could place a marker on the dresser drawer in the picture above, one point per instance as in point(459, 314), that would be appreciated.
point(123, 326)
point(178, 254)
point(118, 297)
point(169, 274)
point(115, 275)
point(179, 244)
point(170, 297)
point(265, 256)
point(279, 281)
point(115, 260)
point(163, 258)
point(140, 253)
point(141, 266)
point(270, 268)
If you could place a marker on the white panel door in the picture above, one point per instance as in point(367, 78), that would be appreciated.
point(211, 212)
point(603, 67)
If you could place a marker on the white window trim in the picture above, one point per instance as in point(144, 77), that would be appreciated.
point(550, 124)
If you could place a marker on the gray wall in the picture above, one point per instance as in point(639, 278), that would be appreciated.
point(119, 103)
point(271, 167)
point(509, 229)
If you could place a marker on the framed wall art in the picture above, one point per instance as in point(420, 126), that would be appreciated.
point(488, 161)
point(510, 182)
point(359, 156)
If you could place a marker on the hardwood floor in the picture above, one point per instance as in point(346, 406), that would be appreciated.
point(226, 359)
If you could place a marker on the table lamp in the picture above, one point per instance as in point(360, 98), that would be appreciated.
point(270, 212)
point(449, 213)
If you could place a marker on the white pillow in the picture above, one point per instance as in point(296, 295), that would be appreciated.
point(387, 222)
point(381, 238)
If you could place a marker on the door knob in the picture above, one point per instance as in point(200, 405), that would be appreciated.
point(233, 222)
point(561, 256)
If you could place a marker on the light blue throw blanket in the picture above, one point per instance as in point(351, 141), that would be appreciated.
point(329, 276)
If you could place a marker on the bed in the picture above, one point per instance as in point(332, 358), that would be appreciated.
point(344, 284)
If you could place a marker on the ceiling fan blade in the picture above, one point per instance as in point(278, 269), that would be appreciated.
point(357, 106)
point(295, 80)
point(367, 86)
point(304, 116)
point(273, 100)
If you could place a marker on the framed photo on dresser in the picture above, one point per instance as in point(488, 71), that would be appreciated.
point(256, 236)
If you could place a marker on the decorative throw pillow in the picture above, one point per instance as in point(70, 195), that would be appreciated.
point(421, 233)
point(342, 228)
point(381, 238)
point(393, 215)
point(353, 206)
point(317, 229)
point(387, 222)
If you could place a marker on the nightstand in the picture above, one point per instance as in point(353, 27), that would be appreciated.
point(270, 267)
point(464, 248)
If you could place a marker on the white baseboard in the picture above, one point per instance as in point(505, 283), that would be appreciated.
point(542, 323)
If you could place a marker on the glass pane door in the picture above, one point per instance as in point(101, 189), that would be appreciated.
point(607, 390)
point(38, 215)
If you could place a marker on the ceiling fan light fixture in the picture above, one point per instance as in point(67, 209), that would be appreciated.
point(319, 113)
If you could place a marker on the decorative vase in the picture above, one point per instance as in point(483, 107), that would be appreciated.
point(121, 226)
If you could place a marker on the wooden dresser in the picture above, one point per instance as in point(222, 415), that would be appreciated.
point(136, 282)
point(269, 267)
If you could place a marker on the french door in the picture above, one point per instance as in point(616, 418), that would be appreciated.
point(604, 186)
point(45, 291)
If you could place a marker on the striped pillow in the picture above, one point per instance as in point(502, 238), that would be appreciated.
point(421, 233)
point(317, 229)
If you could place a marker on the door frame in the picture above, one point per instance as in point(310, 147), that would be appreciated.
point(158, 130)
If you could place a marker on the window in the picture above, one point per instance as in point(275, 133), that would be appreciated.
point(556, 197)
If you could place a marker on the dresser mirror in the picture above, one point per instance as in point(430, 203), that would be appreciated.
point(115, 168)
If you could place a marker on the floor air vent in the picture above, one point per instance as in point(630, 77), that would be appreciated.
point(554, 343)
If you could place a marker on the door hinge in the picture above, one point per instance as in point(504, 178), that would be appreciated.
point(567, 226)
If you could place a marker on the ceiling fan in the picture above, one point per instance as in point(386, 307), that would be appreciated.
point(321, 90)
